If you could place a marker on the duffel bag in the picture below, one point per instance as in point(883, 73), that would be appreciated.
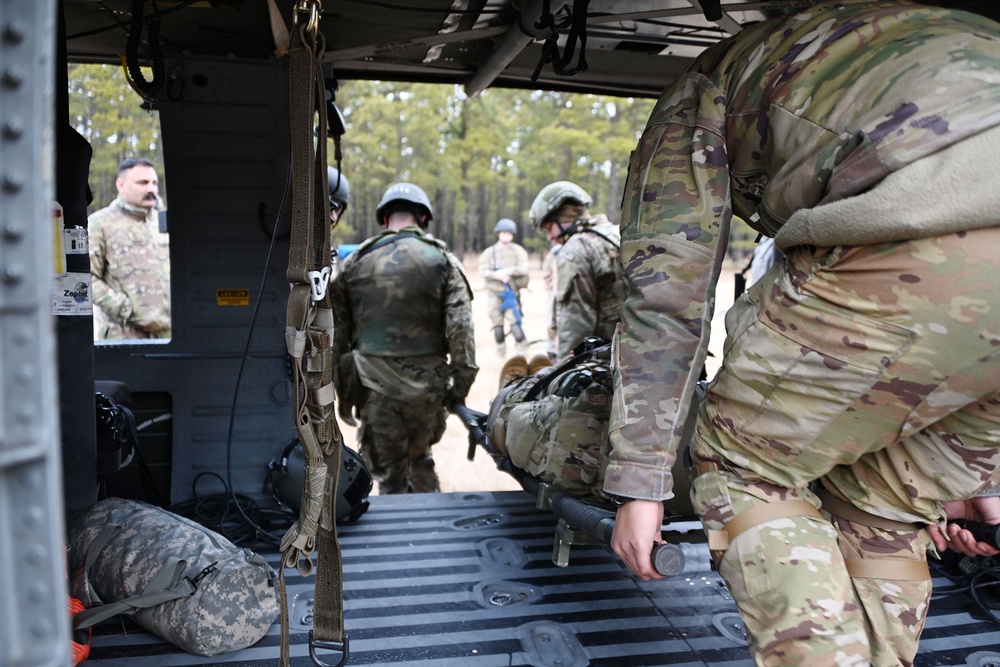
point(174, 577)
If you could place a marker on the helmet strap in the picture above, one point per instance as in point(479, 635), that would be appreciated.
point(567, 232)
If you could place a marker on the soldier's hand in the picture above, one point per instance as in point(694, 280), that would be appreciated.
point(637, 528)
point(956, 538)
point(344, 410)
point(152, 322)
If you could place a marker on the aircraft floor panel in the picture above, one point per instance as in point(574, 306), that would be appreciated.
point(466, 580)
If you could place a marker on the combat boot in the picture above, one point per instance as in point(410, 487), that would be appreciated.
point(514, 368)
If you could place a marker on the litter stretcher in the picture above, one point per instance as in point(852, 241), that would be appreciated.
point(581, 520)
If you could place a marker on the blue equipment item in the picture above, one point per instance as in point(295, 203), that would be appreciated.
point(510, 302)
point(345, 249)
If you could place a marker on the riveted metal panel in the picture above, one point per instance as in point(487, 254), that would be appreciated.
point(35, 629)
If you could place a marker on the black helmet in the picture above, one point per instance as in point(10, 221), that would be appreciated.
point(287, 479)
point(411, 196)
point(339, 187)
point(505, 225)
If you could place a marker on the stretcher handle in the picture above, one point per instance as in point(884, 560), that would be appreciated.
point(667, 559)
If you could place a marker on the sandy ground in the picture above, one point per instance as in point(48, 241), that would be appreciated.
point(456, 472)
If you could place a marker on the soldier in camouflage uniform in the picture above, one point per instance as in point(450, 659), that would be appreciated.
point(590, 288)
point(557, 432)
point(863, 377)
point(504, 264)
point(129, 261)
point(404, 340)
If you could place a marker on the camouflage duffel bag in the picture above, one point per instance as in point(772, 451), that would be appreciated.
point(174, 577)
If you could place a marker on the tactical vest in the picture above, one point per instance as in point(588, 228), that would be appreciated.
point(609, 277)
point(397, 289)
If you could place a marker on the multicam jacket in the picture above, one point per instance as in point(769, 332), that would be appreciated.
point(130, 270)
point(789, 115)
point(509, 256)
point(590, 288)
point(403, 307)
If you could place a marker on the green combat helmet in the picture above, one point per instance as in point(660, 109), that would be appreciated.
point(405, 196)
point(554, 195)
point(505, 225)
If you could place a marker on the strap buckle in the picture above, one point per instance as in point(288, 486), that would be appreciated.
point(318, 281)
point(343, 647)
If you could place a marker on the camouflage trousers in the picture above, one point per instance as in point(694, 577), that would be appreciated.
point(396, 438)
point(876, 370)
point(500, 330)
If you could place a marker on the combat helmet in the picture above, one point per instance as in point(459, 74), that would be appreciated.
point(401, 194)
point(505, 225)
point(554, 195)
point(340, 189)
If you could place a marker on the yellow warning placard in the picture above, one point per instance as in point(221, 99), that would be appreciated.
point(232, 297)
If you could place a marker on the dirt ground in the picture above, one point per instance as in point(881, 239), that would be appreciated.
point(456, 472)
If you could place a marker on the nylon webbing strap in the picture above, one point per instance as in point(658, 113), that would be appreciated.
point(718, 540)
point(168, 584)
point(309, 334)
point(845, 510)
point(310, 210)
point(899, 569)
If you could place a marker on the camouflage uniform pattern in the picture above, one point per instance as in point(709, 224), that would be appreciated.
point(403, 311)
point(234, 602)
point(873, 365)
point(512, 257)
point(396, 438)
point(561, 437)
point(550, 278)
point(130, 269)
point(589, 289)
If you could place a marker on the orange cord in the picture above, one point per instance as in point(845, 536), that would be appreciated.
point(80, 651)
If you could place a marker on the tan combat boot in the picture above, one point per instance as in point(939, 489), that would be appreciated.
point(537, 363)
point(514, 368)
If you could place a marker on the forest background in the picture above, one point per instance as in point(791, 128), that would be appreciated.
point(478, 159)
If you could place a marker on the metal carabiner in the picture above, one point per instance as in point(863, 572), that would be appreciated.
point(328, 646)
point(313, 9)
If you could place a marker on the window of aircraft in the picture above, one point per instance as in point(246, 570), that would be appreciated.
point(127, 238)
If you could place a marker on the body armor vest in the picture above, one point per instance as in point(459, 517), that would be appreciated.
point(397, 289)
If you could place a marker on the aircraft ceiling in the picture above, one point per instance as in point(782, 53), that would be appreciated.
point(631, 47)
